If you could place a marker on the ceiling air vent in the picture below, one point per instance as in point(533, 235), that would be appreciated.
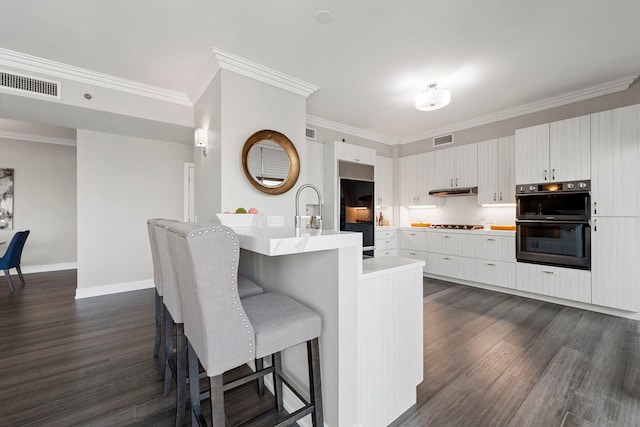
point(442, 140)
point(310, 133)
point(28, 84)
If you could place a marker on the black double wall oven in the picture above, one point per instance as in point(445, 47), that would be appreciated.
point(553, 224)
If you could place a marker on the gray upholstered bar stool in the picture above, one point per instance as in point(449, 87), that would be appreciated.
point(158, 348)
point(225, 331)
point(177, 368)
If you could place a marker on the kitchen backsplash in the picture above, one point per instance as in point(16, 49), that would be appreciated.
point(459, 210)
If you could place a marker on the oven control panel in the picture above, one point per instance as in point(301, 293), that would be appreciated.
point(551, 187)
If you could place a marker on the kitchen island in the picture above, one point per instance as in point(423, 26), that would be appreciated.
point(371, 310)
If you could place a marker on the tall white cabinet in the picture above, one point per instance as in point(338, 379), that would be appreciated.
point(557, 151)
point(615, 208)
point(384, 181)
point(496, 171)
point(417, 175)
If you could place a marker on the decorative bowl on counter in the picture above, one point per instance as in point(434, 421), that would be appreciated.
point(421, 224)
point(503, 227)
point(241, 219)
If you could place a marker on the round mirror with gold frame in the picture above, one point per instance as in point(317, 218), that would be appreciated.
point(270, 162)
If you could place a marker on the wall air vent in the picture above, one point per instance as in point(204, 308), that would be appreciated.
point(29, 85)
point(310, 133)
point(443, 140)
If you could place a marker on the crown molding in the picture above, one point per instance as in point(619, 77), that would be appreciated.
point(339, 127)
point(546, 104)
point(22, 61)
point(19, 136)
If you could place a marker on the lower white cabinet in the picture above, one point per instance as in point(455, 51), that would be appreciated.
point(567, 283)
point(453, 266)
point(615, 254)
point(499, 248)
point(450, 243)
point(491, 272)
point(386, 243)
point(413, 240)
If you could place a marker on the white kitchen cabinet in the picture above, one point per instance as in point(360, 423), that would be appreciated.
point(456, 167)
point(492, 272)
point(496, 248)
point(314, 171)
point(615, 160)
point(386, 243)
point(384, 181)
point(416, 177)
point(458, 244)
point(407, 178)
point(412, 240)
point(558, 151)
point(496, 171)
point(355, 153)
point(615, 254)
point(569, 149)
point(456, 267)
point(557, 282)
point(532, 154)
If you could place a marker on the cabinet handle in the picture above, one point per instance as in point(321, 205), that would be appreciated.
point(412, 253)
point(595, 208)
point(494, 197)
point(490, 239)
point(451, 182)
point(595, 224)
point(548, 272)
point(456, 182)
point(490, 264)
point(446, 258)
point(500, 196)
point(412, 234)
point(553, 174)
point(447, 237)
point(356, 159)
point(545, 174)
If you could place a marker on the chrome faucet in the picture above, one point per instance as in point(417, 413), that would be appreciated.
point(316, 220)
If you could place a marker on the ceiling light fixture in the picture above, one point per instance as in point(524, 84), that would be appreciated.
point(432, 98)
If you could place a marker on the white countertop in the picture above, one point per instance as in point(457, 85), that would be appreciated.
point(273, 241)
point(387, 264)
point(485, 231)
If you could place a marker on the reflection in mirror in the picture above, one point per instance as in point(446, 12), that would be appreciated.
point(268, 163)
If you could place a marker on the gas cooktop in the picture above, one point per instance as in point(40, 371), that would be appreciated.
point(459, 226)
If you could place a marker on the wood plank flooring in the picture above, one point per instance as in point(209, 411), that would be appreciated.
point(493, 359)
point(490, 359)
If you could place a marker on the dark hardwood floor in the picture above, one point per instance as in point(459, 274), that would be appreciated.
point(490, 359)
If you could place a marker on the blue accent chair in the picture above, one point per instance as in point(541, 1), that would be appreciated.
point(11, 258)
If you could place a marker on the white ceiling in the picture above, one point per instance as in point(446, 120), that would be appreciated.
point(369, 61)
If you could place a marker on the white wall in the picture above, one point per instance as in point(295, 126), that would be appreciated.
point(44, 201)
point(245, 106)
point(122, 182)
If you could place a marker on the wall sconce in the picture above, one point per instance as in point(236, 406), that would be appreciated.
point(201, 139)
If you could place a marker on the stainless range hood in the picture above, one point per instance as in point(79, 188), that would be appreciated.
point(466, 191)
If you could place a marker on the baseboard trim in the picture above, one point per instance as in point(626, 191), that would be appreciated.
point(116, 288)
point(27, 269)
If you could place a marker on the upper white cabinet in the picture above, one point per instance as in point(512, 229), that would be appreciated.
point(384, 181)
point(355, 153)
point(416, 174)
point(456, 167)
point(557, 151)
point(615, 160)
point(496, 171)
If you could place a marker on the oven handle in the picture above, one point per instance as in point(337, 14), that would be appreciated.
point(544, 193)
point(551, 221)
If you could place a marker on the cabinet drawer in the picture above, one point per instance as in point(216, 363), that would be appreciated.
point(497, 248)
point(386, 244)
point(497, 273)
point(386, 234)
point(448, 265)
point(385, 252)
point(413, 240)
point(558, 282)
point(451, 243)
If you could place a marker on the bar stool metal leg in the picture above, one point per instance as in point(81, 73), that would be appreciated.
point(315, 386)
point(156, 346)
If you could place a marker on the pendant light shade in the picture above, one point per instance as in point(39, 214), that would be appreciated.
point(432, 98)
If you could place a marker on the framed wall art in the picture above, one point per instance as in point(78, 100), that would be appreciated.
point(6, 199)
